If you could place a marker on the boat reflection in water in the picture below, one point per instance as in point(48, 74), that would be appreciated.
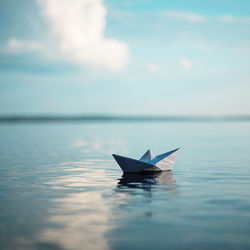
point(148, 181)
point(140, 194)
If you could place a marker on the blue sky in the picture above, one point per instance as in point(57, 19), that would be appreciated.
point(125, 57)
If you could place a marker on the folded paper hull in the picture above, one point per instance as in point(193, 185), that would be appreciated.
point(129, 165)
point(147, 164)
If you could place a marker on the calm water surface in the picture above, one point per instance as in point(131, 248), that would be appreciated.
point(61, 189)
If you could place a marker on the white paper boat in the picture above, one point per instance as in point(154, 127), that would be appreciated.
point(148, 162)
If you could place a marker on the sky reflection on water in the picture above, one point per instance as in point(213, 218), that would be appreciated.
point(61, 189)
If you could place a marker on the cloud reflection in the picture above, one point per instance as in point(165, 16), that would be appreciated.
point(81, 216)
point(80, 222)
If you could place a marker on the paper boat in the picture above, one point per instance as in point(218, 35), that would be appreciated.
point(148, 162)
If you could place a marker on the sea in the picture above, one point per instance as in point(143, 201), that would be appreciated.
point(60, 187)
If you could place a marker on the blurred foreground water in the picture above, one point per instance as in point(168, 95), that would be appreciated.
point(61, 189)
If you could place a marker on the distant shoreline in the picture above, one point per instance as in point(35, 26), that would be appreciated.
point(114, 118)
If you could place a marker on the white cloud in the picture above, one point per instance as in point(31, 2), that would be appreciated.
point(15, 45)
point(185, 16)
point(152, 67)
point(78, 26)
point(198, 18)
point(185, 63)
point(233, 19)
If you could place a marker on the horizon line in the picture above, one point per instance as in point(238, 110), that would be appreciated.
point(122, 118)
